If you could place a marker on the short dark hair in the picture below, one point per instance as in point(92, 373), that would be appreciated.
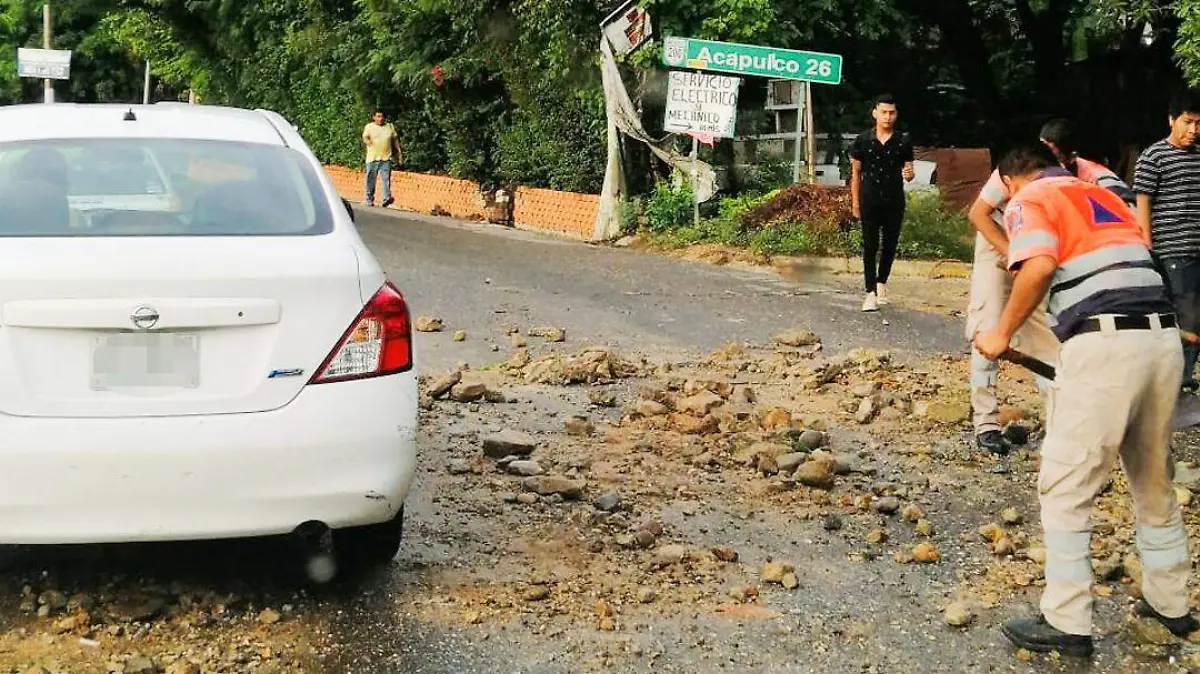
point(378, 111)
point(1061, 132)
point(883, 99)
point(1187, 100)
point(1026, 159)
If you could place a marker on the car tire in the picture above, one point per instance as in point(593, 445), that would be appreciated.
point(369, 546)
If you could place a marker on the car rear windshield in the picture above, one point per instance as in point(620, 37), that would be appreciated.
point(158, 187)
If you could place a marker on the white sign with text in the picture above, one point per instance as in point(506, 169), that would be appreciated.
point(702, 103)
point(54, 64)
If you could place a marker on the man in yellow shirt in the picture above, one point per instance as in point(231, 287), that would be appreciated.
point(382, 146)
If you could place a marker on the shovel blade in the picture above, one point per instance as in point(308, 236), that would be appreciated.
point(1187, 411)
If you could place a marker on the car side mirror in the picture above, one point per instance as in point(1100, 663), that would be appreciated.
point(349, 208)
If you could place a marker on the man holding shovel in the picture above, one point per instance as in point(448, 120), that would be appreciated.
point(990, 282)
point(1114, 395)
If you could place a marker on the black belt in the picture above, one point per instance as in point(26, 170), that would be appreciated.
point(1124, 323)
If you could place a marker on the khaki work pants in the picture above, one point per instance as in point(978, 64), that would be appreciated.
point(1114, 397)
point(990, 288)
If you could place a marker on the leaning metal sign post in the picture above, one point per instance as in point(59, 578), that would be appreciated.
point(701, 105)
point(756, 61)
point(45, 64)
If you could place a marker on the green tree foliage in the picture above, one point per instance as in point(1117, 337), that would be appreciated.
point(100, 69)
point(1188, 46)
point(13, 24)
point(508, 91)
point(148, 38)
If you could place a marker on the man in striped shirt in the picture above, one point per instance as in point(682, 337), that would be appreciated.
point(1115, 392)
point(991, 284)
point(1167, 183)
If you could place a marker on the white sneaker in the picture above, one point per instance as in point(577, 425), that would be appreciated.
point(881, 291)
point(870, 303)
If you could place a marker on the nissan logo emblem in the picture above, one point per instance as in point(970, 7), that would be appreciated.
point(144, 318)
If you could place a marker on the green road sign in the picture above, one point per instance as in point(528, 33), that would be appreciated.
point(745, 59)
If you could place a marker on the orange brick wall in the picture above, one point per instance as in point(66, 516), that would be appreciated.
point(348, 182)
point(568, 213)
point(564, 213)
point(416, 192)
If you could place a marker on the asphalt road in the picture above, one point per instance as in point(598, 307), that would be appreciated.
point(482, 277)
point(459, 536)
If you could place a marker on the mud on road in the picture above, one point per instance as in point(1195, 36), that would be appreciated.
point(764, 508)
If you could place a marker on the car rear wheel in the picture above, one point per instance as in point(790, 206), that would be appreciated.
point(369, 546)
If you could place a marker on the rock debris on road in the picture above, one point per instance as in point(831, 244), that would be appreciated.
point(675, 468)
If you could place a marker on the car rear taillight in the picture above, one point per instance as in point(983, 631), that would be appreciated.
point(378, 343)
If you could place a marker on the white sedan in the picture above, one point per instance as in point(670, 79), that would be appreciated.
point(194, 341)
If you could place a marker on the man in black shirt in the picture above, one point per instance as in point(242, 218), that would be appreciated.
point(880, 161)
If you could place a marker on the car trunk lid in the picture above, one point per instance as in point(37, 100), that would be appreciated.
point(153, 326)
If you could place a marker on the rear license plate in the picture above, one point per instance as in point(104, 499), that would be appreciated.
point(145, 359)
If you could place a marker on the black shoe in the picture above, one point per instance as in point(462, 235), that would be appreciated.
point(388, 202)
point(994, 442)
point(1180, 627)
point(1017, 435)
point(1039, 636)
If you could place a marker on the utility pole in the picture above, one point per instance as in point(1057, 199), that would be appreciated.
point(146, 86)
point(47, 84)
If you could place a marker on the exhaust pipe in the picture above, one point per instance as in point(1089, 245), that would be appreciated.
point(316, 547)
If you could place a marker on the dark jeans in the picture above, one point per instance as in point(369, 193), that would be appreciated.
point(881, 220)
point(1184, 275)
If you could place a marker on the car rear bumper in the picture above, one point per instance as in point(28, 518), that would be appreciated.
point(343, 454)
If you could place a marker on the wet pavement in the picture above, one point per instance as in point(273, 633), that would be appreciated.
point(485, 276)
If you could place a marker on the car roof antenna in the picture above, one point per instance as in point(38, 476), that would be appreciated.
point(130, 117)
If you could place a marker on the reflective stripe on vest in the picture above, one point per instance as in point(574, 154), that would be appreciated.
point(1113, 278)
point(1094, 261)
point(1112, 268)
point(1031, 243)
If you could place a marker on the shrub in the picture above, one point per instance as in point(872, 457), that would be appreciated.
point(669, 208)
point(931, 231)
point(466, 128)
point(627, 212)
point(732, 212)
point(800, 239)
point(421, 138)
point(331, 119)
point(770, 173)
point(709, 231)
point(721, 229)
point(559, 145)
